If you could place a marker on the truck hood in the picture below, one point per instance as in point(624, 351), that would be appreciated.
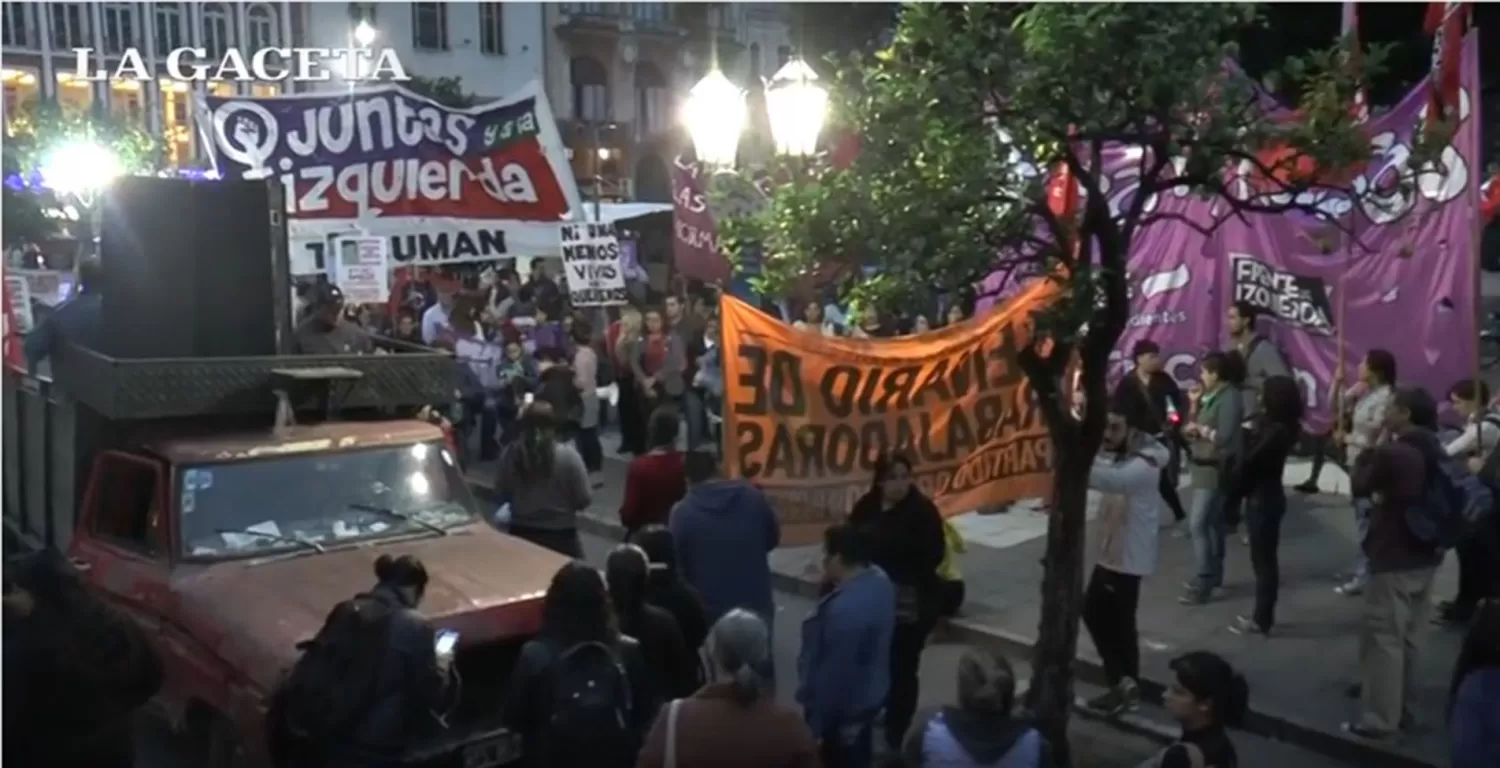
point(252, 614)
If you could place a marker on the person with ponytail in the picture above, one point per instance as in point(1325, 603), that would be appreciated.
point(673, 670)
point(1206, 697)
point(735, 720)
point(980, 732)
point(545, 483)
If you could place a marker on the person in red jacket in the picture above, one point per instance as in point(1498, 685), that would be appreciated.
point(655, 480)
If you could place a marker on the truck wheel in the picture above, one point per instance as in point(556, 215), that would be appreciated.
point(222, 748)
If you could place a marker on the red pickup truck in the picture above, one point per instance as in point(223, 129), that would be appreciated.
point(228, 537)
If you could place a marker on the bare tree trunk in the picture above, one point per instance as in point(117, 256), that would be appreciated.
point(1062, 597)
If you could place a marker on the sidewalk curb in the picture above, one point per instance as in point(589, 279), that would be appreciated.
point(1259, 721)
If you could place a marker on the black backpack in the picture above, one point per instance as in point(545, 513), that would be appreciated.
point(333, 683)
point(590, 722)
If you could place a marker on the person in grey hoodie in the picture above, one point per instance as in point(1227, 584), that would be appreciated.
point(980, 732)
point(545, 483)
point(1263, 359)
point(1215, 442)
point(723, 530)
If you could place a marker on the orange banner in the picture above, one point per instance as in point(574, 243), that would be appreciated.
point(805, 415)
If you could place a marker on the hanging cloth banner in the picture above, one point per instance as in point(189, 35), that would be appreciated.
point(806, 415)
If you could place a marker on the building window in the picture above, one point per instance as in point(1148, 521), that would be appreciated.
point(361, 12)
point(265, 90)
point(584, 9)
point(75, 96)
point(70, 26)
point(754, 63)
point(21, 91)
point(651, 99)
point(14, 26)
point(119, 27)
point(429, 26)
point(126, 102)
point(177, 130)
point(783, 55)
point(590, 90)
point(168, 28)
point(492, 28)
point(215, 30)
point(650, 13)
point(260, 27)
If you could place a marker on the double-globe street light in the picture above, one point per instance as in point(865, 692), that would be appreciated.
point(715, 114)
point(76, 172)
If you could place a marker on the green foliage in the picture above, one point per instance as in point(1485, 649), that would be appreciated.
point(448, 91)
point(963, 112)
point(43, 127)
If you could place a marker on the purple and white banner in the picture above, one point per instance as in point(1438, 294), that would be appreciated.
point(1409, 287)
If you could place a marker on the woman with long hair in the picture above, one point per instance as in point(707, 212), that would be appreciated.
point(1206, 697)
point(907, 531)
point(735, 720)
point(659, 363)
point(665, 587)
point(980, 731)
point(545, 484)
point(580, 637)
point(1257, 479)
point(672, 669)
point(1474, 696)
point(586, 380)
point(624, 346)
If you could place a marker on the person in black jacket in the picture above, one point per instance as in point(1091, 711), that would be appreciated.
point(555, 386)
point(666, 589)
point(1257, 479)
point(907, 531)
point(75, 670)
point(412, 679)
point(576, 613)
point(672, 669)
point(1152, 399)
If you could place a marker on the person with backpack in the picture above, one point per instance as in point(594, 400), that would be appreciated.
point(1476, 551)
point(980, 732)
point(580, 695)
point(1474, 694)
point(673, 670)
point(735, 720)
point(1414, 506)
point(1206, 697)
point(545, 483)
point(369, 684)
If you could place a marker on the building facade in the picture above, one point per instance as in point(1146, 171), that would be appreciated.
point(615, 73)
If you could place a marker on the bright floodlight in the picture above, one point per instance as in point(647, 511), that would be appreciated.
point(715, 115)
point(364, 34)
point(80, 168)
point(797, 107)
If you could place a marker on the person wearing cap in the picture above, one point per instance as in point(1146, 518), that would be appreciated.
point(325, 332)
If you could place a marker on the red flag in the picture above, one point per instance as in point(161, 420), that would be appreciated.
point(1062, 193)
point(15, 356)
point(1446, 23)
point(1489, 199)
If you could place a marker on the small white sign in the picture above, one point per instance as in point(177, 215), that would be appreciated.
point(362, 270)
point(20, 303)
point(592, 264)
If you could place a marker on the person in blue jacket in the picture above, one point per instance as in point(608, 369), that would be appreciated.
point(723, 530)
point(1474, 700)
point(843, 667)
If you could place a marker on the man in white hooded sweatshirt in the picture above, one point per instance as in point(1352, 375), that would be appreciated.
point(1126, 472)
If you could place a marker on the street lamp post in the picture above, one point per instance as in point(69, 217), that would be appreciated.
point(715, 114)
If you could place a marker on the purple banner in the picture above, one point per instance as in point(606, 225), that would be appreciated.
point(1408, 287)
point(695, 242)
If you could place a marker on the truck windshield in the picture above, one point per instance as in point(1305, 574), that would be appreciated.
point(244, 508)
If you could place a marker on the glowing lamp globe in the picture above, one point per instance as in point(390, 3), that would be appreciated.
point(364, 34)
point(80, 168)
point(797, 107)
point(715, 115)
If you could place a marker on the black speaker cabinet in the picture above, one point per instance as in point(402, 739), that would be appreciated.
point(193, 268)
